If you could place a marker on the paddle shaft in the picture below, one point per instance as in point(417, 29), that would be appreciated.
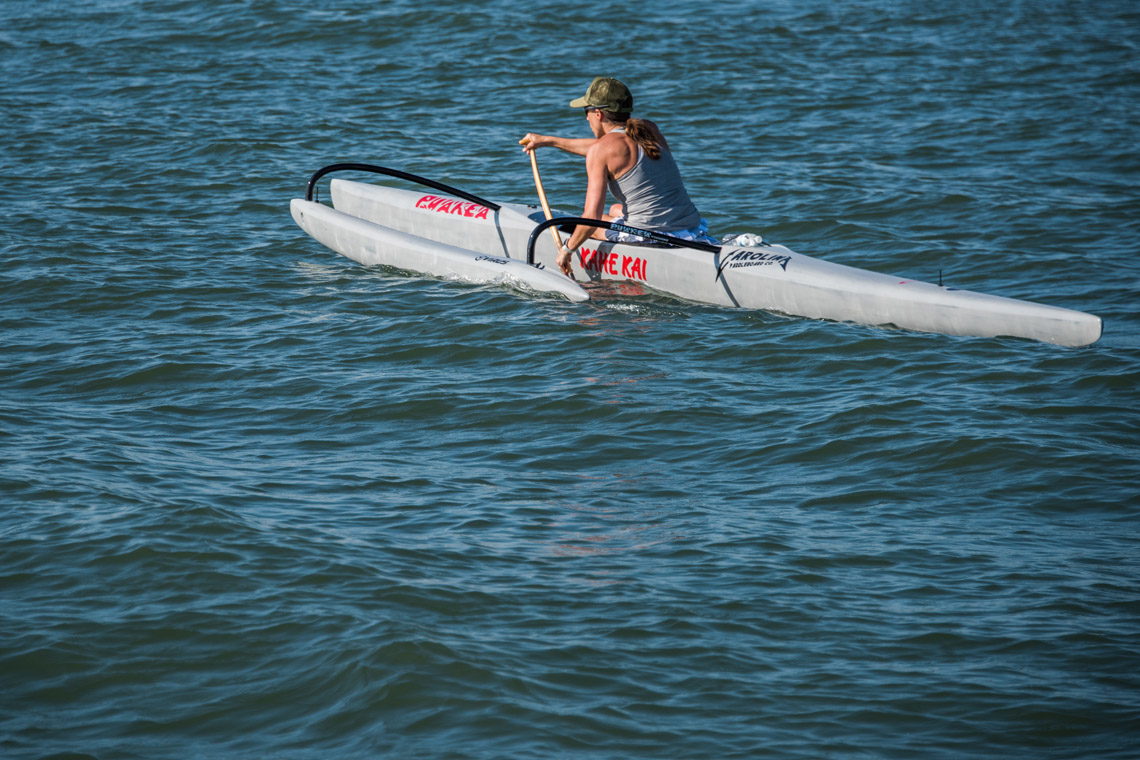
point(542, 199)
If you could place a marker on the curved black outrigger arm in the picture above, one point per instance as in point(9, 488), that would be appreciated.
point(310, 191)
point(656, 237)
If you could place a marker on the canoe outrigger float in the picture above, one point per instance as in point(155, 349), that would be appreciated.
point(456, 235)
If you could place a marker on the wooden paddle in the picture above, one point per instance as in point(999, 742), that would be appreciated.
point(542, 199)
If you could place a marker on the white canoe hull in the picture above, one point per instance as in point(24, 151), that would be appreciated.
point(771, 277)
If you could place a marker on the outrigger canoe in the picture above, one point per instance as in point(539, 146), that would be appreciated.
point(446, 232)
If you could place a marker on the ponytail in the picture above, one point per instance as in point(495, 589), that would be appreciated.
point(644, 133)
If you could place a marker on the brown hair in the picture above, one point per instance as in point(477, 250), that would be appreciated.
point(644, 133)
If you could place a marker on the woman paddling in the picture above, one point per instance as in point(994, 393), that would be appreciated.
point(631, 158)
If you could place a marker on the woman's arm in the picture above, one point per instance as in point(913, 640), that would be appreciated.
point(596, 174)
point(579, 146)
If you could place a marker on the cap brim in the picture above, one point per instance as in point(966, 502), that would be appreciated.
point(579, 102)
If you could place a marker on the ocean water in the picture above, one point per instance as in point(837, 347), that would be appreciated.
point(262, 502)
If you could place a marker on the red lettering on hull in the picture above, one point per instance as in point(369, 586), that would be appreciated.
point(453, 207)
point(614, 264)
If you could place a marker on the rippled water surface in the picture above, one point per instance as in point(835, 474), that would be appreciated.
point(261, 501)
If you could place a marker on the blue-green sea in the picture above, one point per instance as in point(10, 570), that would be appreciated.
point(260, 501)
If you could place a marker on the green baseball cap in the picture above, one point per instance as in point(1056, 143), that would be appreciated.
point(607, 94)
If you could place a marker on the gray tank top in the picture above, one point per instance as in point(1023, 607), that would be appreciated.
point(653, 195)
